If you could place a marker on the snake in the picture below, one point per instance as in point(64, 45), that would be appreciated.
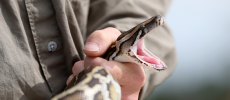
point(97, 83)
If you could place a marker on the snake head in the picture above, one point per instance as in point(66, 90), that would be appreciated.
point(129, 46)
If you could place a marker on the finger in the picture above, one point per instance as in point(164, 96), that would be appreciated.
point(78, 67)
point(131, 73)
point(69, 79)
point(123, 72)
point(99, 41)
point(132, 78)
point(97, 61)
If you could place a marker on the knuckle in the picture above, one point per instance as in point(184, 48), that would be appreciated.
point(115, 31)
point(140, 81)
point(74, 66)
point(140, 75)
point(78, 67)
point(69, 79)
point(99, 34)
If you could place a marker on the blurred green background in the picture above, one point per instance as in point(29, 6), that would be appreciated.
point(201, 29)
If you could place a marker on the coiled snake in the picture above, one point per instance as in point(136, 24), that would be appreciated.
point(96, 83)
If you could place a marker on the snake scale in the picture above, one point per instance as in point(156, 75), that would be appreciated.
point(96, 83)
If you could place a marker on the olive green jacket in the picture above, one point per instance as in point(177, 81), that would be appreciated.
point(40, 40)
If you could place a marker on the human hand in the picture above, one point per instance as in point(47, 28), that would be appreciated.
point(130, 76)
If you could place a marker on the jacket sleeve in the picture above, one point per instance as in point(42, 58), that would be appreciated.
point(125, 14)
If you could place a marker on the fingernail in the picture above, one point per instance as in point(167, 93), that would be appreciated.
point(90, 46)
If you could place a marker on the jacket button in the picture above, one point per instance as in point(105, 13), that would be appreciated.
point(52, 46)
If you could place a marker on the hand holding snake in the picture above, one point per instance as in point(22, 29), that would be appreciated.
point(124, 73)
point(129, 49)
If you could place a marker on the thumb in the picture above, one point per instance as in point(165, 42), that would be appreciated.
point(99, 41)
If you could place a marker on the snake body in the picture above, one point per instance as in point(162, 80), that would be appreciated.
point(96, 83)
